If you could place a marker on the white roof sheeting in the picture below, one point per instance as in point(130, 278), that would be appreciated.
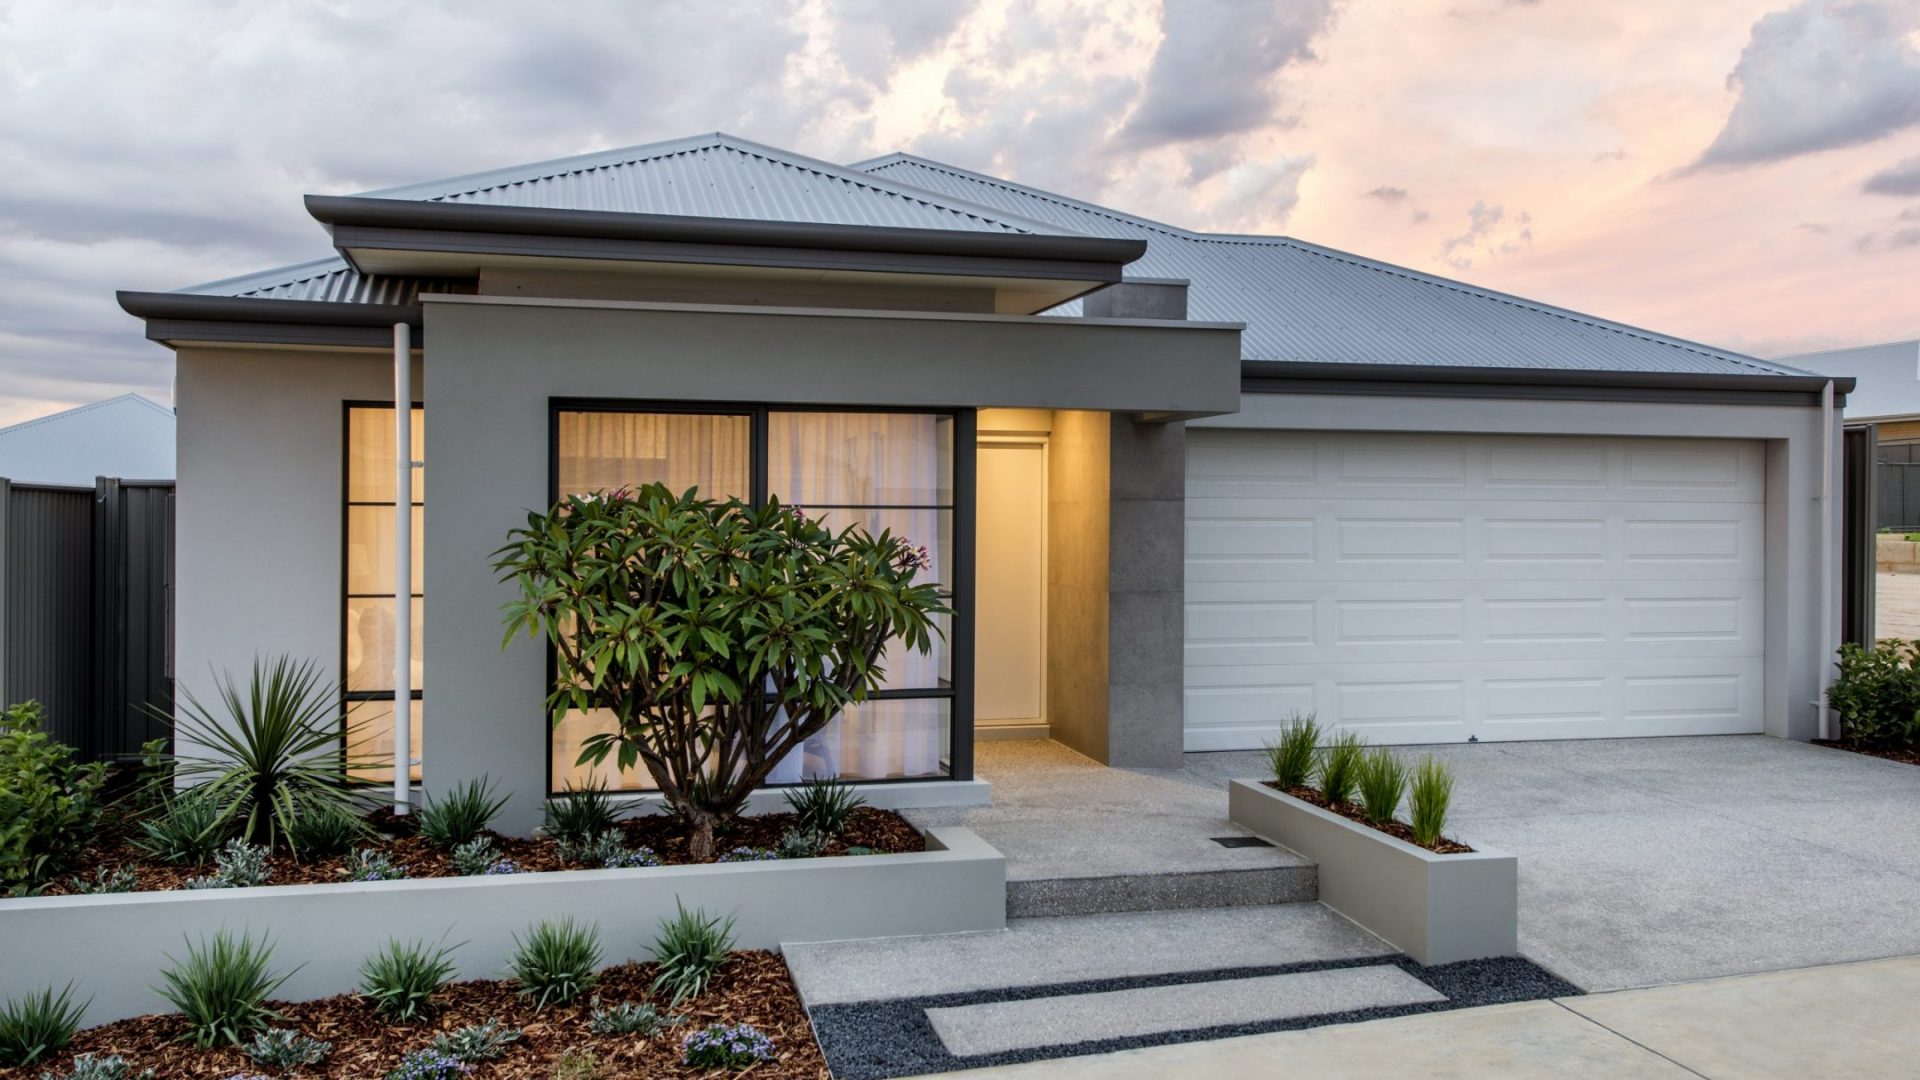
point(1305, 302)
point(1886, 377)
point(127, 436)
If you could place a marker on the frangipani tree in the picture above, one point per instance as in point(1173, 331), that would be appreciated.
point(720, 636)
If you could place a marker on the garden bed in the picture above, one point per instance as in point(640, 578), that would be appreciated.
point(870, 830)
point(753, 988)
point(1905, 756)
point(1396, 829)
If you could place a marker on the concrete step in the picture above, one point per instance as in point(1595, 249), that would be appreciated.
point(1076, 949)
point(1289, 881)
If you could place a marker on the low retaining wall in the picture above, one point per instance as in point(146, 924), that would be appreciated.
point(1435, 908)
point(114, 946)
point(1894, 553)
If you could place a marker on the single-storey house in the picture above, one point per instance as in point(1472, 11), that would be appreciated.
point(128, 437)
point(1181, 485)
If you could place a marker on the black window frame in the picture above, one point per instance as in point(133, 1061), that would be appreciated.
point(959, 592)
point(350, 699)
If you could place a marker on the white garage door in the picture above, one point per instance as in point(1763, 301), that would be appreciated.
point(1436, 588)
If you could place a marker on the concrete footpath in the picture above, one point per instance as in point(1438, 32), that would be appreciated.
point(1853, 1020)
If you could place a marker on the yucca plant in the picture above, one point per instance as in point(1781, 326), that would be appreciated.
point(402, 978)
point(1427, 800)
point(222, 988)
point(1290, 757)
point(691, 947)
point(328, 831)
point(581, 814)
point(1383, 779)
point(460, 815)
point(35, 1025)
point(186, 830)
point(1339, 770)
point(823, 804)
point(557, 961)
point(273, 752)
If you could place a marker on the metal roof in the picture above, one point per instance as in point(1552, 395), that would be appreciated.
point(1886, 377)
point(711, 176)
point(126, 436)
point(1304, 302)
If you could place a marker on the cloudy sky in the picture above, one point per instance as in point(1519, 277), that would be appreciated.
point(1742, 172)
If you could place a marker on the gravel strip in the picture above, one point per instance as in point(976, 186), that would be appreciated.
point(880, 1039)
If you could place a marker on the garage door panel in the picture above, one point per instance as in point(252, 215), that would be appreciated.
point(1435, 587)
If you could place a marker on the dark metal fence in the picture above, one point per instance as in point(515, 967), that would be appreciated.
point(86, 608)
point(1897, 475)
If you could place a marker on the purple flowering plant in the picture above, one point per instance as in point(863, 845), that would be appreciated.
point(726, 1046)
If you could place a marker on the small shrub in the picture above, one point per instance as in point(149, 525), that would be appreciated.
point(1427, 800)
point(283, 1049)
point(859, 849)
point(370, 865)
point(327, 831)
point(402, 978)
point(460, 815)
point(222, 988)
point(628, 1018)
point(823, 804)
point(801, 844)
point(1382, 780)
point(49, 803)
point(726, 1046)
point(90, 1067)
point(105, 881)
point(557, 962)
point(1877, 694)
point(1340, 767)
point(429, 1065)
point(626, 858)
point(474, 857)
point(187, 830)
point(1290, 757)
point(576, 1064)
point(691, 947)
point(749, 854)
point(581, 814)
point(35, 1025)
point(605, 850)
point(476, 1042)
point(240, 866)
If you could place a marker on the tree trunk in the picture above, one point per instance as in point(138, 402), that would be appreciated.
point(700, 840)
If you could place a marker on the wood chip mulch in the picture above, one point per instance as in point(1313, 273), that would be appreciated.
point(1906, 756)
point(880, 830)
point(753, 988)
point(1397, 829)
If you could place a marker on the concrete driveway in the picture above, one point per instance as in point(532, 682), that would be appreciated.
point(1651, 861)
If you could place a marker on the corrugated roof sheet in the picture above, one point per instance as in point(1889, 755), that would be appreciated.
point(717, 176)
point(1301, 301)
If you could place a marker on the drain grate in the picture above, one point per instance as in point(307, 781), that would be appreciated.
point(1241, 841)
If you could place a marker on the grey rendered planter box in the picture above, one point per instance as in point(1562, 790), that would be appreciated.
point(1435, 908)
point(114, 946)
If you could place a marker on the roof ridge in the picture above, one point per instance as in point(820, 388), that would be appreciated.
point(88, 407)
point(1361, 261)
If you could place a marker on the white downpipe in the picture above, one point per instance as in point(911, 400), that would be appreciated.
point(1828, 519)
point(402, 567)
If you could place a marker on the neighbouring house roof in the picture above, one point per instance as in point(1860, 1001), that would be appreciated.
point(1305, 302)
point(1887, 377)
point(127, 437)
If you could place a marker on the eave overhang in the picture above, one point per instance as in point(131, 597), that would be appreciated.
point(1562, 384)
point(173, 318)
point(406, 236)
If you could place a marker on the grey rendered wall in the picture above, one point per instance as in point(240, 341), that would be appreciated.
point(494, 365)
point(1078, 496)
point(258, 504)
point(1147, 595)
point(1797, 658)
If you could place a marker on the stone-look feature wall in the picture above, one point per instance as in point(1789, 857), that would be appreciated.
point(1146, 594)
point(1077, 610)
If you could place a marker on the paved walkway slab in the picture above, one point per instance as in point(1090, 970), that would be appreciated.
point(996, 1027)
point(1078, 948)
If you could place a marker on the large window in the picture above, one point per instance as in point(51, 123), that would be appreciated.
point(368, 625)
point(879, 470)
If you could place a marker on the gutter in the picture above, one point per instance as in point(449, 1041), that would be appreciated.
point(173, 317)
point(1420, 380)
point(358, 212)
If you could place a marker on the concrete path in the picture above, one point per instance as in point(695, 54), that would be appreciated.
point(1650, 861)
point(1852, 1020)
point(1896, 605)
point(1082, 839)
